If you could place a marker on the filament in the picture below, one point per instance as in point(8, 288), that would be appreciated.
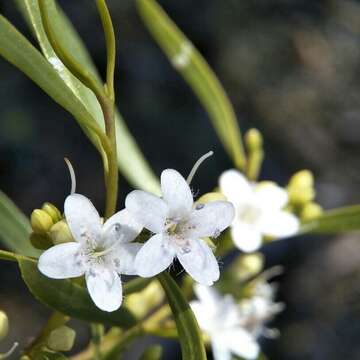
point(196, 166)
point(72, 175)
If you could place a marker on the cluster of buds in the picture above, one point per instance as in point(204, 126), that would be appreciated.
point(49, 227)
point(302, 195)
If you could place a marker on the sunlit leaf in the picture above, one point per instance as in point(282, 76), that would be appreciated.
point(335, 221)
point(14, 228)
point(197, 73)
point(192, 346)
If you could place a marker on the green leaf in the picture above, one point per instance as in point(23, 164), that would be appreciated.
point(131, 161)
point(334, 221)
point(197, 73)
point(69, 298)
point(192, 346)
point(14, 228)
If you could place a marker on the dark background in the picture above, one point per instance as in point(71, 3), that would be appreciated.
point(291, 69)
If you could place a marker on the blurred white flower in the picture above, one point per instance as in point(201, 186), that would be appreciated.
point(259, 210)
point(235, 328)
point(178, 226)
point(100, 252)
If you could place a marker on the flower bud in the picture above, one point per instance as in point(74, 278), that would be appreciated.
point(4, 325)
point(61, 339)
point(41, 221)
point(60, 233)
point(142, 302)
point(301, 188)
point(211, 196)
point(53, 211)
point(40, 241)
point(311, 211)
point(247, 266)
point(153, 352)
point(253, 140)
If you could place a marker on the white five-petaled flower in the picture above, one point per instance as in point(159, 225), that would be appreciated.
point(101, 252)
point(178, 225)
point(259, 210)
point(233, 328)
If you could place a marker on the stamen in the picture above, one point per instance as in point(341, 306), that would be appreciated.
point(72, 175)
point(196, 166)
point(10, 352)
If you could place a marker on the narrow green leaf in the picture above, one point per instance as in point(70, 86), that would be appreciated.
point(14, 228)
point(131, 161)
point(197, 73)
point(192, 346)
point(69, 298)
point(335, 221)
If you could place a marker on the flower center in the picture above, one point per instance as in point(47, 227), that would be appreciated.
point(175, 231)
point(248, 213)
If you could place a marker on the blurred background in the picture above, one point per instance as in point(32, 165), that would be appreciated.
point(290, 67)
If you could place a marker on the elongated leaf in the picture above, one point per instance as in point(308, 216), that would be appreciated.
point(14, 228)
point(197, 73)
point(69, 298)
point(335, 221)
point(131, 161)
point(192, 346)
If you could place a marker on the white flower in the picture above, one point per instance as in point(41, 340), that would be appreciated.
point(178, 226)
point(232, 328)
point(259, 210)
point(100, 252)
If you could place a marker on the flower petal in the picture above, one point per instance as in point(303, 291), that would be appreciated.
point(240, 343)
point(246, 237)
point(104, 286)
point(200, 262)
point(207, 295)
point(210, 219)
point(176, 193)
point(154, 257)
point(147, 209)
point(279, 224)
point(121, 227)
point(235, 186)
point(203, 314)
point(220, 352)
point(83, 219)
point(123, 258)
point(269, 195)
point(62, 261)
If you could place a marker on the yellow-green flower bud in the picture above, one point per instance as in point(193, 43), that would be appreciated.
point(253, 140)
point(142, 302)
point(311, 211)
point(247, 266)
point(153, 352)
point(60, 233)
point(53, 211)
point(41, 221)
point(61, 339)
point(40, 241)
point(211, 196)
point(4, 325)
point(301, 188)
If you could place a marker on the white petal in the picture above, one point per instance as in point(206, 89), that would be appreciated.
point(123, 258)
point(246, 237)
point(154, 257)
point(104, 286)
point(200, 262)
point(279, 224)
point(147, 209)
point(220, 352)
point(235, 186)
point(121, 227)
point(203, 314)
point(83, 219)
point(207, 295)
point(269, 195)
point(210, 219)
point(62, 261)
point(240, 343)
point(176, 193)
